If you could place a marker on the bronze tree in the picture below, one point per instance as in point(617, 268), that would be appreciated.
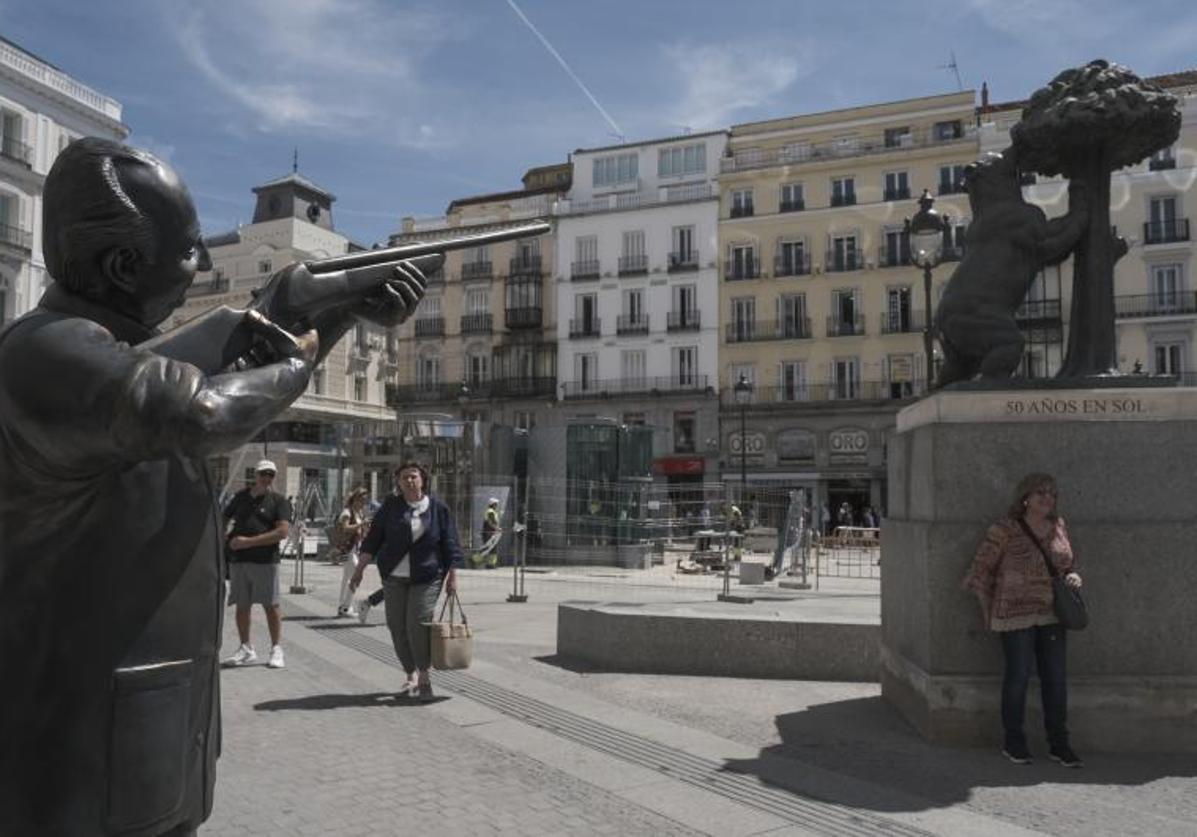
point(1087, 123)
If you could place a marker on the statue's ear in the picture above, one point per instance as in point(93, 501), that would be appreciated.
point(120, 267)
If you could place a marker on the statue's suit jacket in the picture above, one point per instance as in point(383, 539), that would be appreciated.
point(110, 582)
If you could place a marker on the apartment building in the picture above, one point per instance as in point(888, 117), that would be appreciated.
point(822, 312)
point(1151, 205)
point(482, 345)
point(324, 443)
point(41, 110)
point(636, 292)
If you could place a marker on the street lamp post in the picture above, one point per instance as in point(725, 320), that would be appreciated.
point(926, 234)
point(743, 391)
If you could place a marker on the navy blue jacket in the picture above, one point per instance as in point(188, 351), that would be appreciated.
point(389, 539)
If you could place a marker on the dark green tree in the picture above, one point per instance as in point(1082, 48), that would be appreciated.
point(1086, 124)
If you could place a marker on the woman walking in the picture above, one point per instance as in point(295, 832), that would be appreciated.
point(414, 540)
point(1011, 581)
point(348, 533)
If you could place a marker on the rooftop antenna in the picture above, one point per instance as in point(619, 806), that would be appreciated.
point(295, 160)
point(951, 65)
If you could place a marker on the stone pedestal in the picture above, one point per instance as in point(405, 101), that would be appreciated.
point(1126, 463)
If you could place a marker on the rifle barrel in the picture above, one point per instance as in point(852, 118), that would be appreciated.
point(371, 258)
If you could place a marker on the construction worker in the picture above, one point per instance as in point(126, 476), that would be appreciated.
point(488, 553)
point(736, 526)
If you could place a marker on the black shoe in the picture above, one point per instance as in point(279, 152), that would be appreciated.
point(424, 692)
point(1017, 753)
point(1063, 755)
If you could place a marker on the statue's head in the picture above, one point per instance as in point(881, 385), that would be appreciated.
point(119, 228)
point(994, 176)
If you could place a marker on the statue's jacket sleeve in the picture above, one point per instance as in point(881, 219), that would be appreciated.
point(111, 575)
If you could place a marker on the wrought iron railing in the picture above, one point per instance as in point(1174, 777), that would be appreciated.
point(627, 386)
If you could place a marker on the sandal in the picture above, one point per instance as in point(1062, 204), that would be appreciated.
point(408, 690)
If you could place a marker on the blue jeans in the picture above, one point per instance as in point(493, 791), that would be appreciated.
point(1041, 646)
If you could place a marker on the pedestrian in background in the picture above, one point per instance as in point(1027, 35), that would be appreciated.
point(348, 532)
point(260, 519)
point(1010, 578)
point(413, 539)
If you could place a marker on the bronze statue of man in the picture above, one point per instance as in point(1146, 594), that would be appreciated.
point(111, 575)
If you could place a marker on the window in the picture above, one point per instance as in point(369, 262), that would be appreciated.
point(794, 152)
point(685, 365)
point(792, 198)
point(791, 259)
point(900, 375)
point(633, 259)
point(743, 321)
point(897, 137)
point(615, 169)
point(586, 313)
point(897, 310)
point(684, 159)
point(741, 203)
point(683, 252)
point(1165, 287)
point(951, 129)
point(843, 191)
point(683, 431)
point(523, 419)
point(319, 381)
point(586, 248)
point(477, 366)
point(951, 179)
point(897, 248)
point(791, 316)
point(846, 378)
point(264, 266)
point(428, 371)
point(523, 294)
point(742, 262)
point(632, 365)
point(633, 305)
point(359, 387)
point(1162, 159)
point(586, 371)
point(1163, 225)
point(845, 317)
point(791, 377)
point(1168, 358)
point(10, 213)
point(843, 255)
point(477, 301)
point(14, 137)
point(897, 186)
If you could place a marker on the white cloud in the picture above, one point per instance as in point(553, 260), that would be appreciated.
point(717, 80)
point(338, 67)
point(1036, 21)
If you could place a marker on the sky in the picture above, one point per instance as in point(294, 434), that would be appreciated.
point(398, 107)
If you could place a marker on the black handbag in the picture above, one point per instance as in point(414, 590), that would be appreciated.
point(1067, 602)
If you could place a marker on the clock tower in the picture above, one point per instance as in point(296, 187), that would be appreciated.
point(293, 196)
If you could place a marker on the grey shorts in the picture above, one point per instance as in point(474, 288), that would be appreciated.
point(251, 584)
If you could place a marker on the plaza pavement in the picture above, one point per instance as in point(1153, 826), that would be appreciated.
point(525, 743)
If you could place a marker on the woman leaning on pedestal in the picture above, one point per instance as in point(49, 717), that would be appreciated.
point(1011, 581)
point(414, 539)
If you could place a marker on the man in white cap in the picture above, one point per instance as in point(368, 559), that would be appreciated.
point(261, 519)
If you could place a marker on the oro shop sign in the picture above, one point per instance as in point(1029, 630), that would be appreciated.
point(849, 443)
point(750, 444)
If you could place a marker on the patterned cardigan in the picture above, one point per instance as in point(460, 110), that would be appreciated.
point(1009, 578)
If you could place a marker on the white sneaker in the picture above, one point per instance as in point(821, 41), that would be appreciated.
point(276, 658)
point(348, 612)
point(244, 656)
point(363, 610)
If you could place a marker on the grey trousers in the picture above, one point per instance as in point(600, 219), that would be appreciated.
point(408, 605)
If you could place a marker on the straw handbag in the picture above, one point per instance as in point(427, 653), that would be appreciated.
point(452, 641)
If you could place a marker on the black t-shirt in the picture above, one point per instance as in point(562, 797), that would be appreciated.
point(255, 516)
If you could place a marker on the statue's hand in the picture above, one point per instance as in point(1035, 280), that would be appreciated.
point(272, 343)
point(397, 289)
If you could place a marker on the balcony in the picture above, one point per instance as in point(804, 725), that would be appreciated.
point(430, 327)
point(741, 211)
point(844, 199)
point(685, 320)
point(861, 146)
point(893, 256)
point(1165, 232)
point(899, 194)
point(528, 264)
point(846, 327)
point(903, 322)
point(522, 387)
point(473, 271)
point(737, 272)
point(405, 394)
point(796, 264)
point(949, 188)
point(477, 323)
point(786, 396)
point(840, 261)
point(748, 331)
point(215, 285)
point(1155, 305)
point(683, 260)
point(14, 149)
point(1038, 310)
point(586, 271)
point(791, 206)
point(628, 324)
point(16, 237)
point(634, 386)
point(633, 265)
point(640, 199)
point(524, 316)
point(1161, 163)
point(585, 327)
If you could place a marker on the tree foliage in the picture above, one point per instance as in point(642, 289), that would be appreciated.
point(1099, 106)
